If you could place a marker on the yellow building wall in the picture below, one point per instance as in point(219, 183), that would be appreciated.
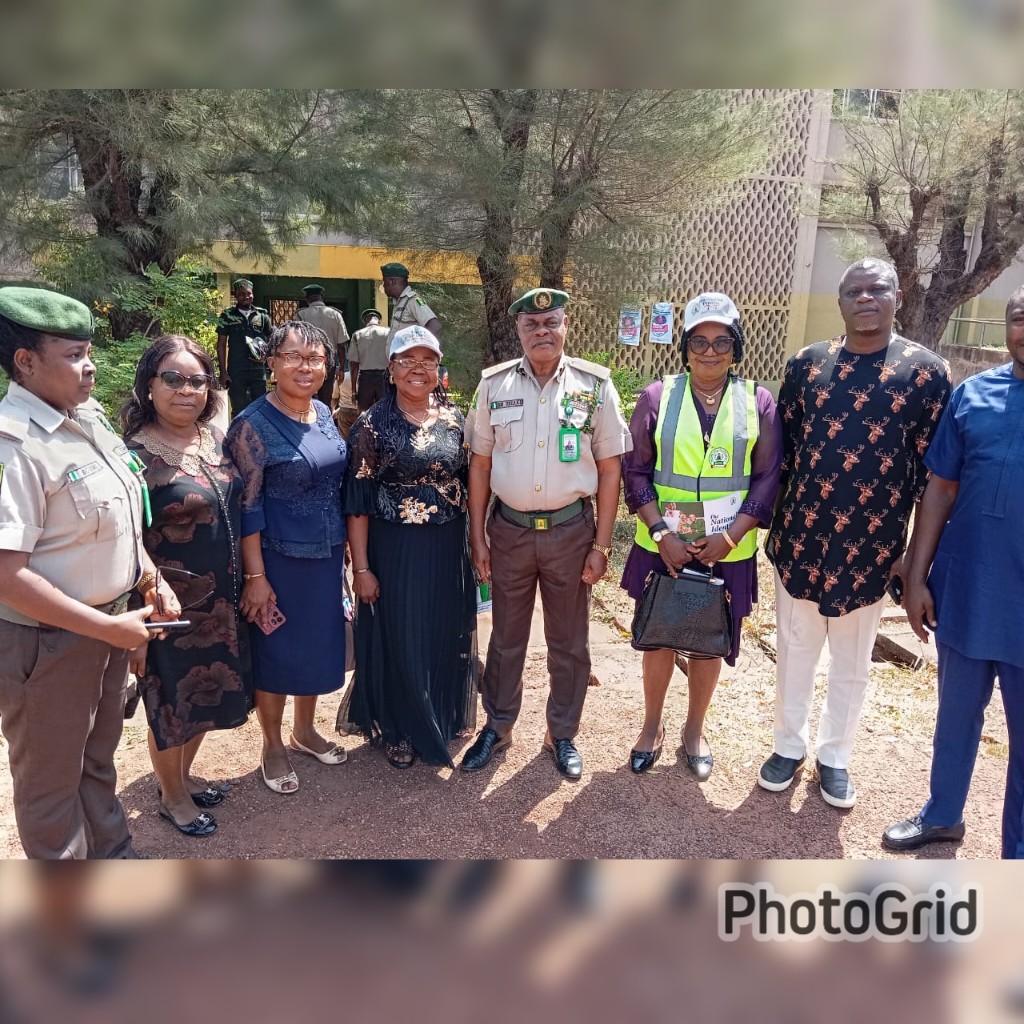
point(823, 321)
point(353, 261)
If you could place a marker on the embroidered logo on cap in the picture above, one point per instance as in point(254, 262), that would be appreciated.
point(542, 300)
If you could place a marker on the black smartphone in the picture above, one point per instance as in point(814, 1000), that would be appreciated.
point(177, 624)
point(894, 588)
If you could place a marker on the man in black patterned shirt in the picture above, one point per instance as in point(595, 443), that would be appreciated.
point(858, 413)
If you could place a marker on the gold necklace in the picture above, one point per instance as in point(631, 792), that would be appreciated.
point(710, 399)
point(295, 412)
point(412, 415)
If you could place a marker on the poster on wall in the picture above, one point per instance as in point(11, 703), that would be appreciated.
point(631, 319)
point(661, 323)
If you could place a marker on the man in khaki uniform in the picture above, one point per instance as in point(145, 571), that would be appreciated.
point(332, 323)
point(71, 522)
point(368, 360)
point(546, 433)
point(409, 307)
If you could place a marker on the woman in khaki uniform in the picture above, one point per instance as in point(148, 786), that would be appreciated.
point(71, 521)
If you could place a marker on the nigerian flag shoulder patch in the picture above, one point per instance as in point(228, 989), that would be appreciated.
point(1, 477)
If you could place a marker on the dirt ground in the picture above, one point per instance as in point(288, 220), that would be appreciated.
point(519, 806)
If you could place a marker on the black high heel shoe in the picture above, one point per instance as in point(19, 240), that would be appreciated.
point(641, 761)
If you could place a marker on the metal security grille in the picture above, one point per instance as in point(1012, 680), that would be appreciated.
point(283, 309)
point(751, 247)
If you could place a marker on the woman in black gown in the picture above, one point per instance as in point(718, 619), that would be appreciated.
point(405, 496)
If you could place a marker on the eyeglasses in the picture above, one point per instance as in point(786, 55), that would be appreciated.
point(294, 359)
point(700, 345)
point(424, 364)
point(176, 381)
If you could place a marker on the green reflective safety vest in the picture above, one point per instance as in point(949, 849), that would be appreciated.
point(684, 471)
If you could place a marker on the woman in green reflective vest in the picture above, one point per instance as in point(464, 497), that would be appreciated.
point(707, 447)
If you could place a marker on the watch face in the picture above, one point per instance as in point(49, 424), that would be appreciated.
point(658, 535)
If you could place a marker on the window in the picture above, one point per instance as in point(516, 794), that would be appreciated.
point(875, 103)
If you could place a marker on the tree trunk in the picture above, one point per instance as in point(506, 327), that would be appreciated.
point(114, 191)
point(557, 224)
point(512, 117)
point(498, 285)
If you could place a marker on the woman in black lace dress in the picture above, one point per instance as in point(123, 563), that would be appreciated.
point(405, 496)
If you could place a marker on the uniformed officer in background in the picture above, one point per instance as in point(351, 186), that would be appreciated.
point(368, 360)
point(409, 307)
point(71, 519)
point(546, 432)
point(242, 333)
point(332, 323)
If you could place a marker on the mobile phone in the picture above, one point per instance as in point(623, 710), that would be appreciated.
point(275, 618)
point(158, 627)
point(894, 588)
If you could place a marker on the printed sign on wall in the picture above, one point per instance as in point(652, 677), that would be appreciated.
point(631, 320)
point(661, 323)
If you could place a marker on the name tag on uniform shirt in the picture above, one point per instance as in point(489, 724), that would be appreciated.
point(508, 403)
point(84, 471)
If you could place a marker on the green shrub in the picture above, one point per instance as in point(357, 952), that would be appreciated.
point(628, 382)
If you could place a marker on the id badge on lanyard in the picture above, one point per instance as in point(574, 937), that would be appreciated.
point(569, 444)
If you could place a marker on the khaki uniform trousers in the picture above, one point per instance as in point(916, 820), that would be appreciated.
point(520, 559)
point(62, 711)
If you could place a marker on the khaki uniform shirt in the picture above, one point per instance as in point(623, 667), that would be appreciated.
point(69, 498)
point(369, 348)
point(516, 422)
point(409, 309)
point(330, 321)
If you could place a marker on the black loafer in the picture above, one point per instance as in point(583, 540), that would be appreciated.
point(912, 833)
point(484, 747)
point(200, 825)
point(567, 757)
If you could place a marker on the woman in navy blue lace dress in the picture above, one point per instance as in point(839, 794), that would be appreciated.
point(292, 460)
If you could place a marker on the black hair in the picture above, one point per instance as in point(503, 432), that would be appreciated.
point(1016, 296)
point(139, 410)
point(738, 341)
point(308, 334)
point(14, 336)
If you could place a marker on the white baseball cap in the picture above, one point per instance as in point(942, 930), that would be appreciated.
point(713, 306)
point(413, 337)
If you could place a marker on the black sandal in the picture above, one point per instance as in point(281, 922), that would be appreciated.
point(400, 755)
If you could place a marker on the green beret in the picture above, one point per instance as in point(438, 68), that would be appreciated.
point(240, 283)
point(394, 270)
point(313, 289)
point(47, 312)
point(369, 312)
point(539, 300)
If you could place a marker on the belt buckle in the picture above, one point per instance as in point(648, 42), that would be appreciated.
point(541, 522)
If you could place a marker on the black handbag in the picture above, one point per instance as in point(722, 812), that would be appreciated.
point(689, 613)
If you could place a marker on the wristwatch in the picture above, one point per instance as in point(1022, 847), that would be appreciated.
point(659, 531)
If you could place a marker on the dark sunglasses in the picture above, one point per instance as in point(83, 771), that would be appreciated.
point(176, 381)
point(720, 345)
